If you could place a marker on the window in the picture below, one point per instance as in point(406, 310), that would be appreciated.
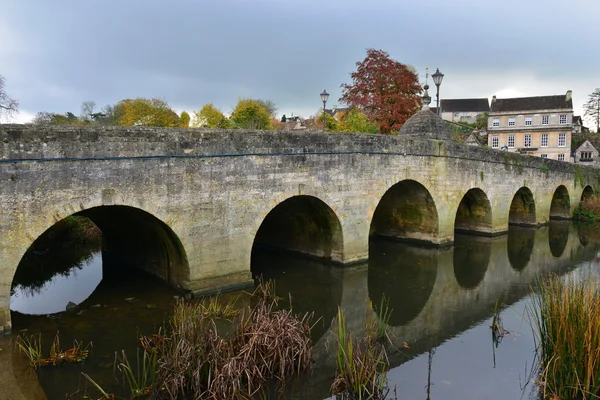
point(544, 155)
point(496, 122)
point(562, 119)
point(561, 157)
point(545, 119)
point(527, 140)
point(562, 139)
point(544, 140)
point(495, 142)
point(528, 121)
point(586, 155)
point(511, 140)
point(511, 122)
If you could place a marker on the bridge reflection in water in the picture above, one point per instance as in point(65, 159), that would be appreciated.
point(438, 294)
point(441, 300)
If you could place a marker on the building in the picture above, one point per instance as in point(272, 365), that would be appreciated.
point(463, 110)
point(539, 126)
point(578, 125)
point(587, 153)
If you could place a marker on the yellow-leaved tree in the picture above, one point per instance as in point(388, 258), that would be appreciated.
point(251, 114)
point(210, 117)
point(145, 112)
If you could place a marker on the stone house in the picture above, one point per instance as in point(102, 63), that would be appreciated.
point(463, 110)
point(587, 153)
point(539, 126)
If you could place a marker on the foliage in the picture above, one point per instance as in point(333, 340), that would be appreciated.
point(143, 380)
point(8, 105)
point(48, 118)
point(591, 108)
point(566, 321)
point(269, 106)
point(145, 112)
point(587, 210)
point(579, 176)
point(386, 90)
point(184, 119)
point(481, 120)
point(377, 328)
point(355, 121)
point(250, 114)
point(210, 117)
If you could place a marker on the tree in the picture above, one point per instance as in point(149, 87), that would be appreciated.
point(385, 90)
point(269, 106)
point(49, 118)
point(87, 111)
point(210, 117)
point(8, 105)
point(145, 112)
point(250, 114)
point(481, 121)
point(355, 121)
point(184, 120)
point(592, 108)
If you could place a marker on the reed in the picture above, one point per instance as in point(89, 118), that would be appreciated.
point(566, 322)
point(361, 366)
point(215, 307)
point(378, 327)
point(143, 380)
point(31, 346)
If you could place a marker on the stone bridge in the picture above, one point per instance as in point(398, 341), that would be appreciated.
point(189, 205)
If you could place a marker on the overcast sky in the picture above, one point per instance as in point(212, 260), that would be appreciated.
point(57, 54)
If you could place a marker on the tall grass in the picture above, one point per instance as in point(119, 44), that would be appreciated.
point(141, 381)
point(565, 316)
point(361, 366)
point(378, 326)
point(587, 210)
point(31, 347)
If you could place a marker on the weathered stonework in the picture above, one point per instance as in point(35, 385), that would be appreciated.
point(203, 195)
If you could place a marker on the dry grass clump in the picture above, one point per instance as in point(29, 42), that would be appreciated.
point(566, 322)
point(588, 210)
point(266, 345)
point(31, 346)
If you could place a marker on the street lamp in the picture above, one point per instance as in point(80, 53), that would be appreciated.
point(437, 79)
point(324, 97)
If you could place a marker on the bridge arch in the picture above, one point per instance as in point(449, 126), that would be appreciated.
point(560, 207)
point(302, 224)
point(587, 193)
point(522, 208)
point(474, 213)
point(408, 212)
point(132, 237)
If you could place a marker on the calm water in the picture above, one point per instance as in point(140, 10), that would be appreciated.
point(442, 301)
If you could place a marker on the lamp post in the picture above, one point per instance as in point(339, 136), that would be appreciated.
point(437, 79)
point(324, 97)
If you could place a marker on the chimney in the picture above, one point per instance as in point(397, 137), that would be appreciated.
point(493, 99)
point(569, 95)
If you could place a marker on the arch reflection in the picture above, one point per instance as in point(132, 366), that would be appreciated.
point(519, 244)
point(558, 236)
point(471, 259)
point(405, 274)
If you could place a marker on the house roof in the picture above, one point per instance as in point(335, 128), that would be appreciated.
point(577, 119)
point(531, 103)
point(462, 105)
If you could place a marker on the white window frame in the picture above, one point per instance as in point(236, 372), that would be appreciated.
point(544, 140)
point(545, 119)
point(511, 141)
point(512, 121)
point(527, 141)
point(562, 140)
point(561, 157)
point(544, 155)
point(562, 119)
point(528, 121)
point(495, 142)
point(496, 122)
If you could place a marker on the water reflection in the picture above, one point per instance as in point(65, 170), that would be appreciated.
point(471, 259)
point(73, 285)
point(403, 273)
point(520, 242)
point(558, 235)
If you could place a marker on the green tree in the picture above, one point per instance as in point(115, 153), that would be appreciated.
point(250, 114)
point(184, 119)
point(481, 122)
point(49, 118)
point(356, 121)
point(8, 105)
point(145, 112)
point(210, 117)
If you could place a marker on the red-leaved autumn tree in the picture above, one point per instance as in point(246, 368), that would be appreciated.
point(385, 90)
